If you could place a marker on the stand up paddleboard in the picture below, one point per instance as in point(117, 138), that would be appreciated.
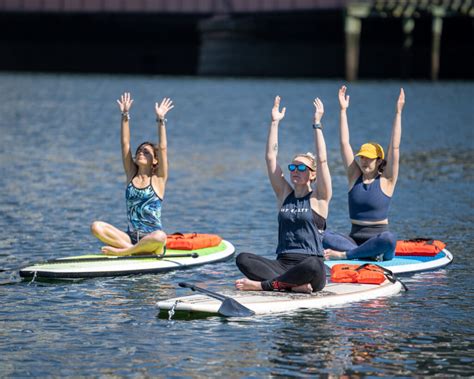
point(406, 264)
point(263, 302)
point(99, 265)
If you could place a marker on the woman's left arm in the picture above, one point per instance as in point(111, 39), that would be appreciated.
point(161, 110)
point(393, 154)
point(324, 186)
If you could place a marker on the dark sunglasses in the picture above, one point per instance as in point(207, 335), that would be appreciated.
point(300, 167)
point(144, 151)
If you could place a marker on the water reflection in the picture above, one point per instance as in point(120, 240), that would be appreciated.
point(61, 169)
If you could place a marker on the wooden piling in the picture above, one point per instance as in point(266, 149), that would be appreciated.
point(437, 29)
point(353, 25)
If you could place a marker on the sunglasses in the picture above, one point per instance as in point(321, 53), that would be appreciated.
point(144, 151)
point(300, 167)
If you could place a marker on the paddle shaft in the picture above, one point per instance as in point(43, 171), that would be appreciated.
point(203, 290)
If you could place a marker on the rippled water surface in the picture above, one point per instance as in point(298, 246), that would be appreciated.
point(61, 169)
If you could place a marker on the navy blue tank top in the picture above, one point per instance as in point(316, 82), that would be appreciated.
point(367, 202)
point(299, 227)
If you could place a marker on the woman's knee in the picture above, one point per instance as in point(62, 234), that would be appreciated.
point(319, 283)
point(319, 280)
point(97, 228)
point(389, 239)
point(158, 236)
point(390, 242)
point(242, 259)
point(314, 266)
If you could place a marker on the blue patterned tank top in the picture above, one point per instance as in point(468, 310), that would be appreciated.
point(143, 209)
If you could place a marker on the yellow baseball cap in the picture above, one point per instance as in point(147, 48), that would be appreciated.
point(371, 150)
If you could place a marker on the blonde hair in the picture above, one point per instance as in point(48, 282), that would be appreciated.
point(309, 156)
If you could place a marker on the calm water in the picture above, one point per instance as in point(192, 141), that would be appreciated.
point(61, 169)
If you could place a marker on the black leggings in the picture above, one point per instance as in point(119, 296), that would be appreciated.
point(288, 270)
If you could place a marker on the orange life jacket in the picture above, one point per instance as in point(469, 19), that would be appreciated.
point(191, 241)
point(366, 273)
point(419, 246)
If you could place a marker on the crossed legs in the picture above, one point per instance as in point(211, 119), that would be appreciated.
point(118, 242)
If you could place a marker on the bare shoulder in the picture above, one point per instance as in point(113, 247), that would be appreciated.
point(387, 185)
point(158, 183)
point(321, 207)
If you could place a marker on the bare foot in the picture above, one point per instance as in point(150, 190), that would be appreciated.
point(109, 250)
point(126, 251)
point(330, 254)
point(248, 285)
point(304, 288)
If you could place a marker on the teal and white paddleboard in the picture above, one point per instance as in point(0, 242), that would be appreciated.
point(406, 264)
point(263, 302)
point(99, 265)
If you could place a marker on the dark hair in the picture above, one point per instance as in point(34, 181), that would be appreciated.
point(382, 165)
point(155, 166)
point(149, 144)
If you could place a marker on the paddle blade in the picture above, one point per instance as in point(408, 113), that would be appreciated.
point(232, 308)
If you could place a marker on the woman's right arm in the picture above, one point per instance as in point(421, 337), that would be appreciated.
point(350, 165)
point(279, 184)
point(125, 103)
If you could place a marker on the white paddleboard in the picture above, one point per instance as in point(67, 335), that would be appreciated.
point(405, 264)
point(99, 265)
point(266, 302)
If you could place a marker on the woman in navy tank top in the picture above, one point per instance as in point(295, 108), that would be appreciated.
point(146, 176)
point(299, 265)
point(372, 178)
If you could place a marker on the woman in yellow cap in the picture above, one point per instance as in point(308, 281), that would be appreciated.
point(299, 263)
point(372, 178)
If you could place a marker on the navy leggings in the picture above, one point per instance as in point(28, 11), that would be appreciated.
point(364, 242)
point(288, 270)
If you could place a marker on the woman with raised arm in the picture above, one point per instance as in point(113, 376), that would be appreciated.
point(146, 177)
point(372, 178)
point(299, 265)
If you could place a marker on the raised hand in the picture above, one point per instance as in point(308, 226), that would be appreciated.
point(343, 99)
point(163, 108)
point(401, 101)
point(318, 110)
point(125, 102)
point(276, 114)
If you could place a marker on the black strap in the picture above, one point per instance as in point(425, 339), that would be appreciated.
point(429, 241)
point(388, 274)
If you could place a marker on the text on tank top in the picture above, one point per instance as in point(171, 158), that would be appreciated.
point(299, 227)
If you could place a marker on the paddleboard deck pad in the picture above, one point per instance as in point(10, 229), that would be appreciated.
point(405, 264)
point(99, 265)
point(266, 302)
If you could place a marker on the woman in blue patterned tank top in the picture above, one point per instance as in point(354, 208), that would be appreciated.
point(146, 176)
point(372, 178)
point(299, 265)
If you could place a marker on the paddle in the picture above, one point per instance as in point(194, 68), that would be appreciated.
point(229, 307)
point(105, 257)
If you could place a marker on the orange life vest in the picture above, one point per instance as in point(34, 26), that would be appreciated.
point(366, 273)
point(419, 246)
point(191, 241)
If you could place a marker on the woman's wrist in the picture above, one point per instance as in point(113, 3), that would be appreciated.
point(161, 120)
point(125, 115)
point(317, 125)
